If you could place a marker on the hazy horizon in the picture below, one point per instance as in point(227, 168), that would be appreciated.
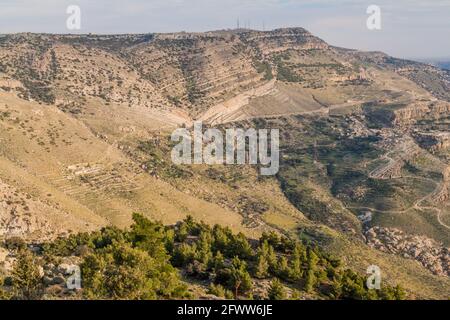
point(411, 29)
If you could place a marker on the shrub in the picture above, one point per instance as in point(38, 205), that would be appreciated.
point(123, 272)
point(277, 291)
point(26, 277)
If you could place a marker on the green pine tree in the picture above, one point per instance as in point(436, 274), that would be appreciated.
point(310, 281)
point(240, 279)
point(262, 263)
point(277, 291)
point(219, 261)
point(283, 268)
point(26, 277)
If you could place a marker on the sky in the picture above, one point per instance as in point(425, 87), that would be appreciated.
point(409, 28)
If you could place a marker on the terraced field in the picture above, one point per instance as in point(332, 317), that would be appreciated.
point(85, 123)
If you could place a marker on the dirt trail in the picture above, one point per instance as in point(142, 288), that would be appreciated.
point(416, 205)
point(223, 113)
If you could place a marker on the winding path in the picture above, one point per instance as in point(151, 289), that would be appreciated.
point(416, 205)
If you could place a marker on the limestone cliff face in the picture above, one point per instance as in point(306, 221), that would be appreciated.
point(280, 40)
point(189, 71)
point(420, 111)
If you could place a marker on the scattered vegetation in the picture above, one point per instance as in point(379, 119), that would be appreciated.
point(285, 72)
point(264, 67)
point(147, 261)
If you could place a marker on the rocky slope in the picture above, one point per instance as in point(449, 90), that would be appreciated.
point(85, 120)
point(429, 253)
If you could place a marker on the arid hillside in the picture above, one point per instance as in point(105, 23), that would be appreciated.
point(85, 124)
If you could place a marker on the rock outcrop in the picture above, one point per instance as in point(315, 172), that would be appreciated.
point(431, 254)
point(420, 111)
point(434, 141)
